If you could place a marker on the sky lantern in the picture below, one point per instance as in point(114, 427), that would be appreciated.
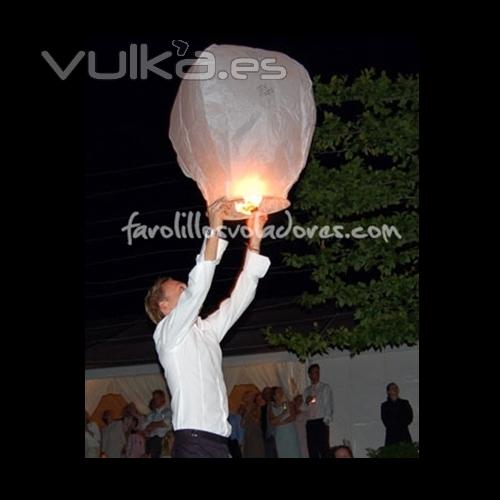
point(242, 125)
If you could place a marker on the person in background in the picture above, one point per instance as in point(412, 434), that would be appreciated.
point(319, 405)
point(113, 436)
point(266, 427)
point(341, 451)
point(253, 444)
point(136, 442)
point(397, 415)
point(300, 424)
point(132, 411)
point(92, 438)
point(157, 424)
point(282, 416)
point(235, 440)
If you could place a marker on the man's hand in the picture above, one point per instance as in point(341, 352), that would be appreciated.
point(255, 225)
point(310, 400)
point(218, 211)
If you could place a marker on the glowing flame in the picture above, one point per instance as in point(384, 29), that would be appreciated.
point(249, 204)
point(251, 190)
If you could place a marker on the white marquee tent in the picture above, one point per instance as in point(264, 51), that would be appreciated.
point(358, 385)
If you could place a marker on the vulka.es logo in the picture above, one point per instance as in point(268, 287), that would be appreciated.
point(136, 64)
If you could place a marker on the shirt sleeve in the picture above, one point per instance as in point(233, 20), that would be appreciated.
point(408, 413)
point(172, 329)
point(384, 414)
point(328, 404)
point(232, 308)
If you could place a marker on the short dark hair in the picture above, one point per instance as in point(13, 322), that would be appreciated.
point(315, 365)
point(274, 390)
point(389, 385)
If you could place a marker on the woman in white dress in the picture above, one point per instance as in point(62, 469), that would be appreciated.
point(300, 425)
point(92, 438)
point(282, 417)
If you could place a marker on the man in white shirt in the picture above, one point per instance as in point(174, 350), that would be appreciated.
point(188, 346)
point(319, 404)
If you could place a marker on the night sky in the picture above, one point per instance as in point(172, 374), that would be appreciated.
point(130, 166)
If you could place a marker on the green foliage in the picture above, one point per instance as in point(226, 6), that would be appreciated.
point(399, 450)
point(301, 345)
point(363, 171)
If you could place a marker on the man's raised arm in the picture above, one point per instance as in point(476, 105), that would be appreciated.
point(177, 323)
point(255, 267)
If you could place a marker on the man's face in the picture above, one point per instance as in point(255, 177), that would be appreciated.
point(393, 392)
point(172, 291)
point(314, 375)
point(267, 394)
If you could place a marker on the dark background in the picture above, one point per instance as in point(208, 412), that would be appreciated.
point(130, 165)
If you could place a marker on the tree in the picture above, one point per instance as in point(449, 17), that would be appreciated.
point(362, 173)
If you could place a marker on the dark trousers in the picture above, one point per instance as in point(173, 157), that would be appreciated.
point(270, 447)
point(153, 446)
point(191, 443)
point(318, 438)
point(234, 448)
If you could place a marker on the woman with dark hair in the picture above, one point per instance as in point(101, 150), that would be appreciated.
point(397, 415)
point(136, 443)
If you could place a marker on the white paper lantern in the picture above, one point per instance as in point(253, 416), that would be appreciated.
point(246, 139)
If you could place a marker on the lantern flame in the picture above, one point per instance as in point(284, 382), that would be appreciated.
point(249, 204)
point(250, 189)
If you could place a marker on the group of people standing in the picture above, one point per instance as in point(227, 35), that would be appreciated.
point(267, 425)
point(133, 435)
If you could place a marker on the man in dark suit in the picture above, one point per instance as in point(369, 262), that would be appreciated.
point(397, 415)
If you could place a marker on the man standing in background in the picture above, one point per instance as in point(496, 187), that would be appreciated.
point(319, 402)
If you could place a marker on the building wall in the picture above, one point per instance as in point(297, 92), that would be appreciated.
point(358, 386)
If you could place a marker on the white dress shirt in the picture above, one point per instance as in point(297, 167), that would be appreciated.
point(188, 346)
point(323, 407)
point(163, 414)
